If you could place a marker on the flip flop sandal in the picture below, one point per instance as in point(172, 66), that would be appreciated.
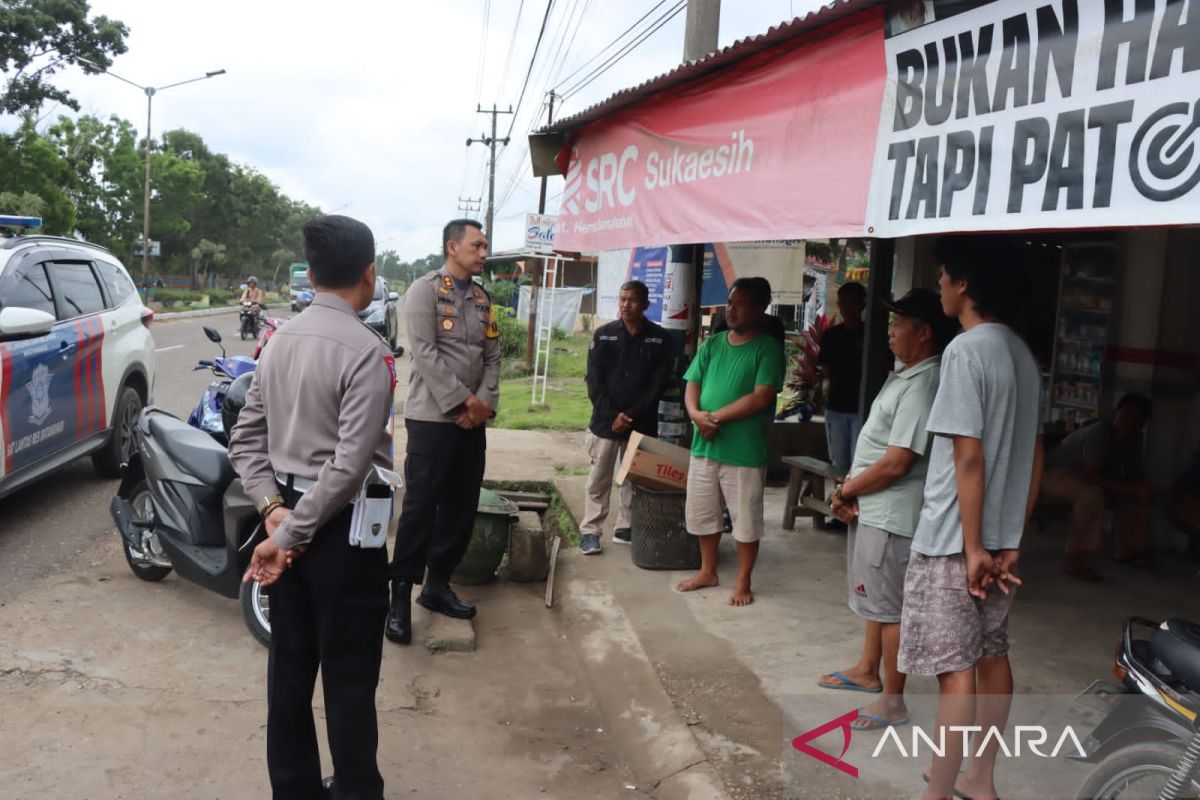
point(849, 685)
point(957, 793)
point(878, 723)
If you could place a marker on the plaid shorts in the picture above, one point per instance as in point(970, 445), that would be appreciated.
point(942, 627)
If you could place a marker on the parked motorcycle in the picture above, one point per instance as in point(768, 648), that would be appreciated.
point(1148, 745)
point(181, 506)
point(304, 300)
point(248, 319)
point(269, 325)
point(207, 414)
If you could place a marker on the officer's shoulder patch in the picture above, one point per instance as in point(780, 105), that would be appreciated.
point(390, 361)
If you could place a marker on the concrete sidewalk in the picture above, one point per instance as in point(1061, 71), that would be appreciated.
point(744, 679)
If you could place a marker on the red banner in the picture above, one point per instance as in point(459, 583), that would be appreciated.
point(779, 146)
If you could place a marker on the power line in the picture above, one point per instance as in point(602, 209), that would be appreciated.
point(629, 48)
point(513, 40)
point(528, 72)
point(606, 48)
point(483, 34)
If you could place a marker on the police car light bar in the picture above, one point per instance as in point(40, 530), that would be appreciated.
point(19, 223)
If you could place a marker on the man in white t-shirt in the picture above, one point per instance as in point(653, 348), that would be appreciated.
point(984, 468)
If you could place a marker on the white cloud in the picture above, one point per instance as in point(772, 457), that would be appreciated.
point(368, 105)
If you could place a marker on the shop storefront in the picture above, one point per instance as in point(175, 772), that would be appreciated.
point(1070, 127)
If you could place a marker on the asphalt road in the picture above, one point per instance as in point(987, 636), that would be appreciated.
point(46, 525)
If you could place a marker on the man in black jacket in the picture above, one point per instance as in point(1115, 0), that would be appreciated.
point(628, 367)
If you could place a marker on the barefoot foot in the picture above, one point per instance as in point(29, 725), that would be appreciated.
point(741, 596)
point(701, 580)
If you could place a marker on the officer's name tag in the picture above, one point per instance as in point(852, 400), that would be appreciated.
point(372, 515)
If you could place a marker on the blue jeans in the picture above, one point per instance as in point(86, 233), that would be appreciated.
point(841, 432)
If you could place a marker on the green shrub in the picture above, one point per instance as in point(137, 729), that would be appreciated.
point(513, 333)
point(502, 292)
point(557, 334)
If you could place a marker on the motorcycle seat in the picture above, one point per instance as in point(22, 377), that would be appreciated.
point(193, 450)
point(1176, 643)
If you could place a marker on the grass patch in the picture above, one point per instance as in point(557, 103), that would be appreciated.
point(567, 406)
point(561, 521)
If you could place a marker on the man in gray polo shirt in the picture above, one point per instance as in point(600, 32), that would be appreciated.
point(984, 469)
point(881, 500)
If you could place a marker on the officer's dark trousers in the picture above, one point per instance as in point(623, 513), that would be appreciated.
point(442, 473)
point(327, 611)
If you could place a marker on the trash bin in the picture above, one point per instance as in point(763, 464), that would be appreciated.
point(659, 530)
point(489, 539)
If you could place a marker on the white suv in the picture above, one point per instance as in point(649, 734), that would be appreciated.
point(76, 358)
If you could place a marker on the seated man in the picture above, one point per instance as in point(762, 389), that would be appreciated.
point(881, 501)
point(1098, 462)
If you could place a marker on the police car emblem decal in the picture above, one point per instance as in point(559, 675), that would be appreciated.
point(39, 392)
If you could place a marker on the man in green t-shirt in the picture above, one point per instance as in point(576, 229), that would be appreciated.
point(731, 389)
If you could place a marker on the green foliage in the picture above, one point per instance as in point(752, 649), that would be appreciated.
point(513, 333)
point(212, 216)
point(502, 292)
point(30, 165)
point(557, 334)
point(39, 38)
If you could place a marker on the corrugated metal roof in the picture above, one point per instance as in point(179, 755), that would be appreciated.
point(712, 62)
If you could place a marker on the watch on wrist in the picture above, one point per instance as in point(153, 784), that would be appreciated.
point(268, 504)
point(837, 491)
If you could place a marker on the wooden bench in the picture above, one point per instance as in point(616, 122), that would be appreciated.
point(806, 490)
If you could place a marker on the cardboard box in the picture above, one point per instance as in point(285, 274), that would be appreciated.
point(654, 464)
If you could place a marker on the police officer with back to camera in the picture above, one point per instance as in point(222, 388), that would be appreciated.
point(316, 422)
point(454, 388)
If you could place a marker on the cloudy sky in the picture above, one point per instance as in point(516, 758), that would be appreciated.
point(365, 106)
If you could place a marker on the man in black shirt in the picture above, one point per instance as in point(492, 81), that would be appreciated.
point(628, 366)
point(840, 359)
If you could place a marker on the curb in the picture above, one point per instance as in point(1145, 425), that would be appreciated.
point(200, 312)
point(651, 735)
point(657, 744)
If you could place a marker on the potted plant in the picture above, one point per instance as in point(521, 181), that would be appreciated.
point(802, 390)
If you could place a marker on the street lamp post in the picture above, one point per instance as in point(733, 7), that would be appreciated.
point(150, 91)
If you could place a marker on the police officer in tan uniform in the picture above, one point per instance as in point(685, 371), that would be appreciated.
point(317, 419)
point(453, 390)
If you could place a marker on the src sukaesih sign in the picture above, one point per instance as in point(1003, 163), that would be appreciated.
point(1072, 113)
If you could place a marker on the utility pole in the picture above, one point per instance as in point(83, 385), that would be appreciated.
point(491, 142)
point(470, 205)
point(541, 263)
point(700, 30)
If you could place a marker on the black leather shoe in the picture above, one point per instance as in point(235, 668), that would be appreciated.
point(439, 597)
point(399, 619)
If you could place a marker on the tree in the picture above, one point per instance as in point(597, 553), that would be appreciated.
point(106, 178)
point(30, 164)
point(25, 204)
point(40, 37)
point(204, 256)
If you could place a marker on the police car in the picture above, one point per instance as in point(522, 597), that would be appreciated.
point(76, 356)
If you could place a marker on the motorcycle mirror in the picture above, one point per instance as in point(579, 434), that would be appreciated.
point(215, 337)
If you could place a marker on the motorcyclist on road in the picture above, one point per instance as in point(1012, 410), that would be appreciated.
point(252, 294)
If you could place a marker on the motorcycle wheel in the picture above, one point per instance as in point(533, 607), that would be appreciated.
point(256, 611)
point(1138, 772)
point(143, 564)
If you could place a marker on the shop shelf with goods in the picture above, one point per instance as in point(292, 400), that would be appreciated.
point(1085, 307)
